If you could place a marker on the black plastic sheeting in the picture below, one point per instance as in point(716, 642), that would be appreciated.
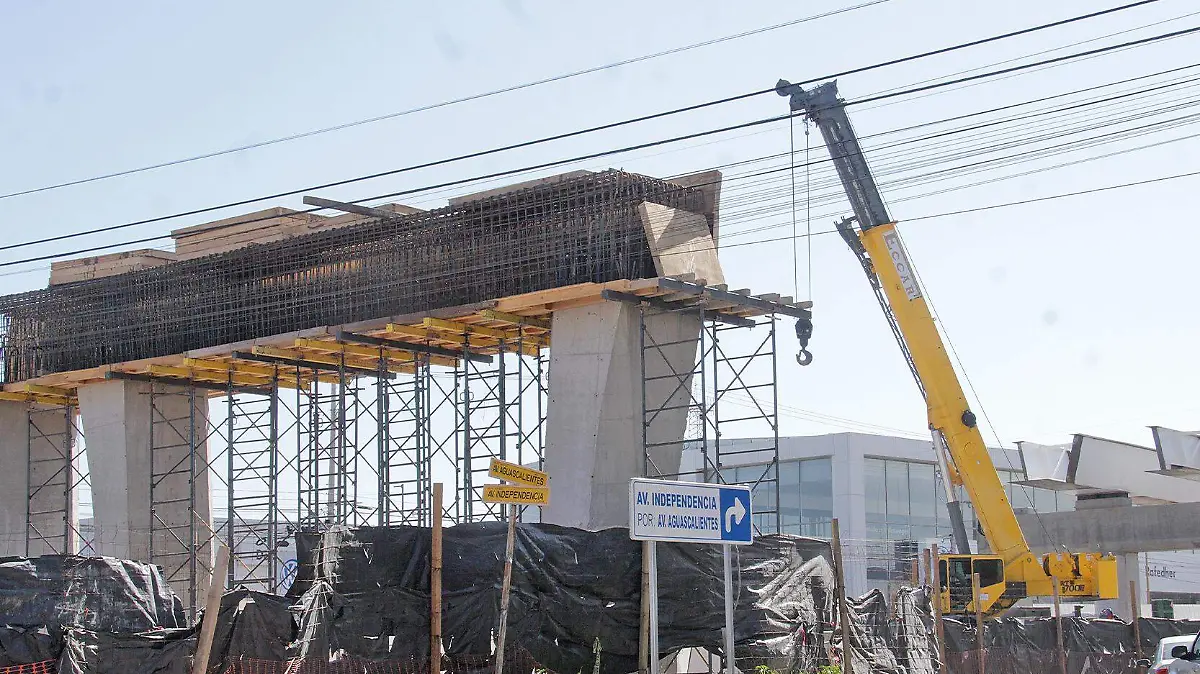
point(1020, 646)
point(27, 645)
point(252, 625)
point(162, 652)
point(98, 593)
point(365, 597)
point(366, 592)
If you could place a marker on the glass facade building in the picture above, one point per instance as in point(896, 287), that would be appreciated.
point(885, 491)
point(805, 495)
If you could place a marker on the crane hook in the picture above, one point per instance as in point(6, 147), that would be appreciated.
point(804, 329)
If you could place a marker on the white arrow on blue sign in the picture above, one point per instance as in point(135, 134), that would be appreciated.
point(689, 512)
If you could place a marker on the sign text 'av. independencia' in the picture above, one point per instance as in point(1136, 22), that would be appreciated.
point(681, 511)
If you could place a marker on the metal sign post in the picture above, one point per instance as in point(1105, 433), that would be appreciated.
point(654, 652)
point(690, 512)
point(727, 557)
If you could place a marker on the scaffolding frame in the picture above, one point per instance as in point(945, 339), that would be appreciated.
point(258, 462)
point(178, 456)
point(53, 482)
point(356, 452)
point(735, 364)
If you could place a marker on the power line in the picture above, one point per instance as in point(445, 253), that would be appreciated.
point(1057, 59)
point(555, 163)
point(580, 132)
point(989, 207)
point(984, 150)
point(448, 103)
point(1045, 51)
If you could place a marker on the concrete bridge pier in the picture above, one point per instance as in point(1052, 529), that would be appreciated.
point(595, 417)
point(150, 494)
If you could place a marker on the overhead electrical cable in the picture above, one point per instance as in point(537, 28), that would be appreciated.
point(497, 174)
point(611, 125)
point(543, 165)
point(448, 103)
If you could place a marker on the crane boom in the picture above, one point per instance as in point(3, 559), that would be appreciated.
point(1011, 571)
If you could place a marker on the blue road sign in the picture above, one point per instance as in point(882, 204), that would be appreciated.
point(689, 512)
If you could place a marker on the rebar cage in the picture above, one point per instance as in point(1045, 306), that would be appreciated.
point(577, 230)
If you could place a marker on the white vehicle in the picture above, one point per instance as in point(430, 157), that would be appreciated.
point(1175, 655)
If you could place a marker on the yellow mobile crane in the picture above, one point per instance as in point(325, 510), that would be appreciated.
point(1011, 571)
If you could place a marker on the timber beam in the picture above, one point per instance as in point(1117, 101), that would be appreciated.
point(409, 346)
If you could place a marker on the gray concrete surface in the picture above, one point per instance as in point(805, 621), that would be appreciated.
point(594, 421)
point(14, 483)
point(129, 500)
point(1152, 528)
point(39, 521)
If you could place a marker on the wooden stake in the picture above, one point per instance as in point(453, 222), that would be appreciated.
point(644, 637)
point(840, 591)
point(1135, 602)
point(212, 606)
point(506, 587)
point(925, 555)
point(936, 576)
point(975, 594)
point(435, 583)
point(1062, 654)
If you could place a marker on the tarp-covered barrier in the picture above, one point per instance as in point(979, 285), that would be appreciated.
point(365, 608)
point(1020, 646)
point(20, 645)
point(161, 652)
point(366, 592)
point(99, 593)
point(251, 625)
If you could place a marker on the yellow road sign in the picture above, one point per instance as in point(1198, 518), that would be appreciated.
point(516, 494)
point(511, 472)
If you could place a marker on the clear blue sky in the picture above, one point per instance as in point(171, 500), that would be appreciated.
point(1070, 316)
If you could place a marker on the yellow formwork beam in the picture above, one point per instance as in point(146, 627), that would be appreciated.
point(526, 321)
point(373, 352)
point(355, 362)
point(283, 375)
point(457, 328)
point(228, 366)
point(409, 331)
point(506, 336)
point(456, 336)
point(41, 398)
point(209, 377)
point(353, 350)
point(49, 391)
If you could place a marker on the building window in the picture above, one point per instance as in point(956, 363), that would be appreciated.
point(805, 496)
point(816, 497)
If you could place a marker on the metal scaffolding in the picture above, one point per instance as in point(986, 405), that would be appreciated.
point(327, 446)
point(728, 388)
point(180, 528)
point(54, 479)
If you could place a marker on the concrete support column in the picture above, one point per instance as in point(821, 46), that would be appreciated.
point(38, 498)
point(594, 420)
point(150, 491)
point(1127, 570)
point(14, 480)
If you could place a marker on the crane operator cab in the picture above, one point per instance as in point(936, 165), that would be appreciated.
point(955, 592)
